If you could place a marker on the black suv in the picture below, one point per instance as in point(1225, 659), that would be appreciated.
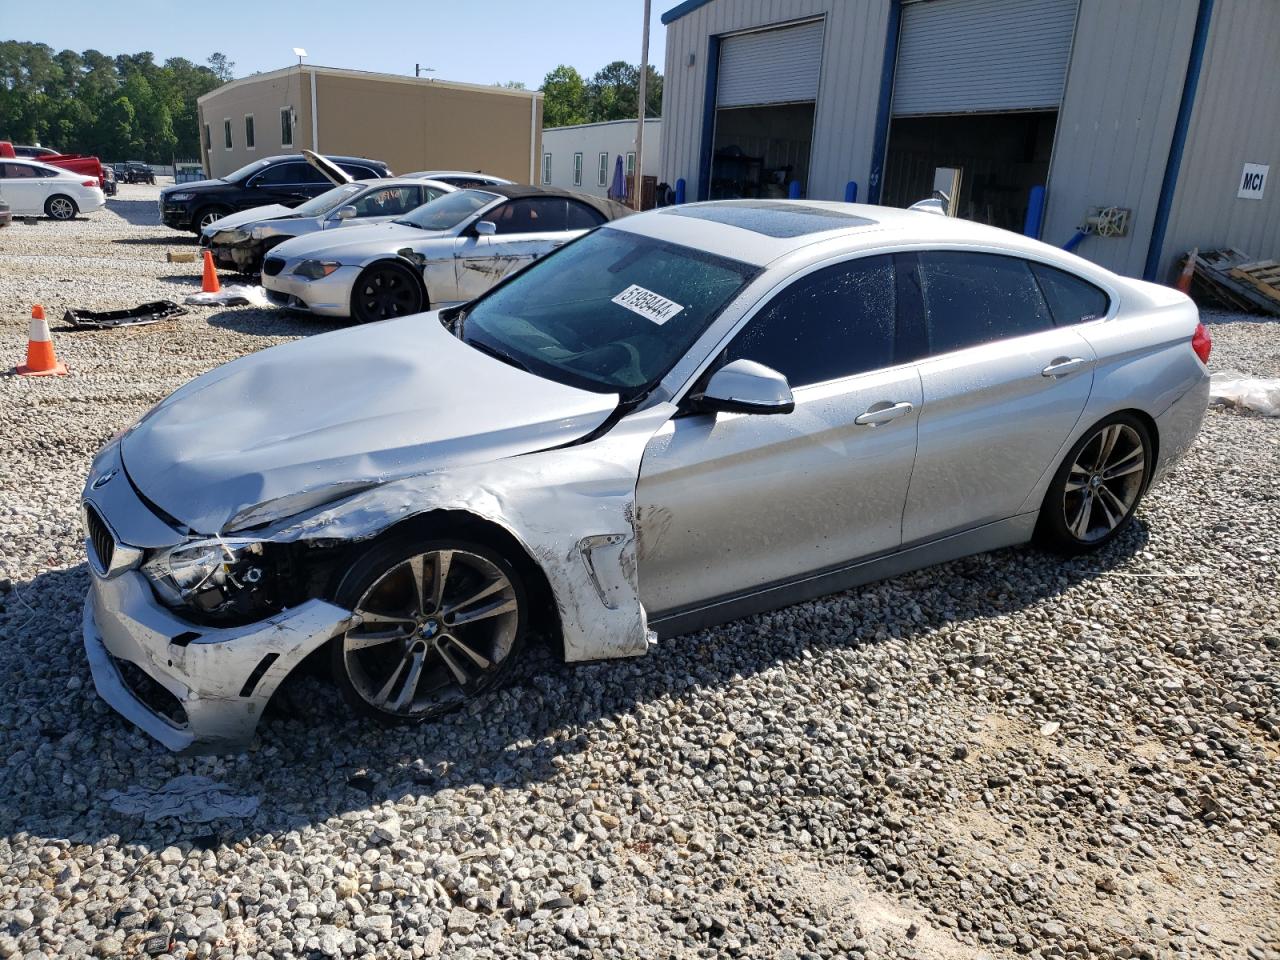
point(287, 180)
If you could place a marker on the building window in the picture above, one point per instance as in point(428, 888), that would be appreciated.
point(286, 126)
point(546, 168)
point(226, 132)
point(577, 169)
point(208, 138)
point(248, 131)
point(602, 175)
point(631, 163)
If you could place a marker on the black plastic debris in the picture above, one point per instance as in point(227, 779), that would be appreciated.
point(137, 316)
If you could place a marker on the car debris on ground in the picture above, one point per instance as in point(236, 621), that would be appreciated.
point(138, 316)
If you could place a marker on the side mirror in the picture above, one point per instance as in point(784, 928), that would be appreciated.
point(346, 213)
point(486, 228)
point(744, 386)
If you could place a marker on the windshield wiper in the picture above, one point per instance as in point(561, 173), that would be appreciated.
point(497, 354)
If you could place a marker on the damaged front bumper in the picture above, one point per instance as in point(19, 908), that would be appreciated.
point(242, 257)
point(327, 297)
point(193, 688)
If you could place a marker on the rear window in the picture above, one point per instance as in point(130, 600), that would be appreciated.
point(1072, 299)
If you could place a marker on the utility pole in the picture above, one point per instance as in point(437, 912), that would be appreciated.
point(638, 180)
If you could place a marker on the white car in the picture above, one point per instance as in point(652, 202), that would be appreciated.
point(31, 189)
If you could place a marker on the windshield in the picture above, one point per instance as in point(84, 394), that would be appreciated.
point(445, 213)
point(329, 200)
point(243, 172)
point(612, 312)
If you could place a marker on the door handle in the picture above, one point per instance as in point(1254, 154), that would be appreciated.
point(883, 412)
point(1064, 365)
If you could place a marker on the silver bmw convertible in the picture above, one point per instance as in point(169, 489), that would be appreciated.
point(683, 417)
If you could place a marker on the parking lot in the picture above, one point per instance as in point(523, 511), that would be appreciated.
point(1007, 755)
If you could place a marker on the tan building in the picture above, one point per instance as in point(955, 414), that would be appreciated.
point(409, 123)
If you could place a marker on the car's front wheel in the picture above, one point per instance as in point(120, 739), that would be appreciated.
point(1098, 487)
point(60, 207)
point(386, 290)
point(437, 623)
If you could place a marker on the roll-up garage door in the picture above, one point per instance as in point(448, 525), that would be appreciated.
point(983, 56)
point(770, 66)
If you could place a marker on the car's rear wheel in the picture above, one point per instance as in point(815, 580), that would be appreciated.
point(208, 215)
point(438, 623)
point(1097, 489)
point(61, 207)
point(386, 290)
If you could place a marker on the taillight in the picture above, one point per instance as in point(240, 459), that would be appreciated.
point(1202, 343)
point(88, 183)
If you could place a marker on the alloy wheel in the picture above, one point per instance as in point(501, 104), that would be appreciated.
point(60, 208)
point(432, 631)
point(1104, 483)
point(387, 293)
point(210, 217)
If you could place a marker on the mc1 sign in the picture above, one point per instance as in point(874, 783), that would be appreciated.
point(1253, 181)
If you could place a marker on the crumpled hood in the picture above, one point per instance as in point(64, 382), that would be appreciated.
point(271, 211)
point(314, 419)
point(353, 244)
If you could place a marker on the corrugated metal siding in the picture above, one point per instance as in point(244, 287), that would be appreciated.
point(961, 56)
point(770, 66)
point(1233, 123)
point(1125, 80)
point(848, 85)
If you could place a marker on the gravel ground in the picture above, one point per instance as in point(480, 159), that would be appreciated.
point(1007, 755)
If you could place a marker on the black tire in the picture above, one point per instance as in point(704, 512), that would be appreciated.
point(61, 207)
point(380, 580)
point(1082, 507)
point(385, 290)
point(206, 215)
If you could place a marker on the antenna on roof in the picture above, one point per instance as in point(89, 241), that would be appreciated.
point(299, 53)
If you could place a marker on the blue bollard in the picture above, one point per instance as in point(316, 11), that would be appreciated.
point(1035, 213)
point(793, 192)
point(680, 190)
point(851, 192)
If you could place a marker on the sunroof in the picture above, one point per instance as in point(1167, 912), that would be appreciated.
point(773, 218)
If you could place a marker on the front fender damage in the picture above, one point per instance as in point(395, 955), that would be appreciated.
point(572, 508)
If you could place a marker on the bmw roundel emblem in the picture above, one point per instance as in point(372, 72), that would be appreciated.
point(103, 480)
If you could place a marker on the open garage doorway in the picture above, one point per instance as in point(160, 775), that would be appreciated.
point(1001, 156)
point(758, 151)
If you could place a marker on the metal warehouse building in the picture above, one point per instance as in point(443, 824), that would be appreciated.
point(582, 157)
point(409, 123)
point(1158, 118)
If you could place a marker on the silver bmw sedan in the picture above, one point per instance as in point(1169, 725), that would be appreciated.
point(683, 417)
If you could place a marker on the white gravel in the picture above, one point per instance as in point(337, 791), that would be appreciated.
point(1008, 755)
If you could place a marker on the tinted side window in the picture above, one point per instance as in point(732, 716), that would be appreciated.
point(20, 171)
point(284, 173)
point(1071, 299)
point(973, 298)
point(833, 323)
point(529, 215)
point(582, 217)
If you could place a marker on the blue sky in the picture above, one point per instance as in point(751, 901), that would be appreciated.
point(477, 41)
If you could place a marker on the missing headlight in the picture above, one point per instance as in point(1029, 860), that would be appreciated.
point(223, 577)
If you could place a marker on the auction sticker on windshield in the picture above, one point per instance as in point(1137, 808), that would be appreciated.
point(650, 305)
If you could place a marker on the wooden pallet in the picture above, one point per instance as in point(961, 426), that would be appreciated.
point(1264, 275)
point(1215, 279)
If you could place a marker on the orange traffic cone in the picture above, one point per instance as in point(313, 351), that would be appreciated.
point(41, 360)
point(211, 284)
point(1188, 268)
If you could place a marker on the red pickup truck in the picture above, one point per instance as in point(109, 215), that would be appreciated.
point(85, 166)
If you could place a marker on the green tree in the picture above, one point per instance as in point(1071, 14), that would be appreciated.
point(564, 99)
point(222, 68)
point(126, 106)
point(612, 93)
